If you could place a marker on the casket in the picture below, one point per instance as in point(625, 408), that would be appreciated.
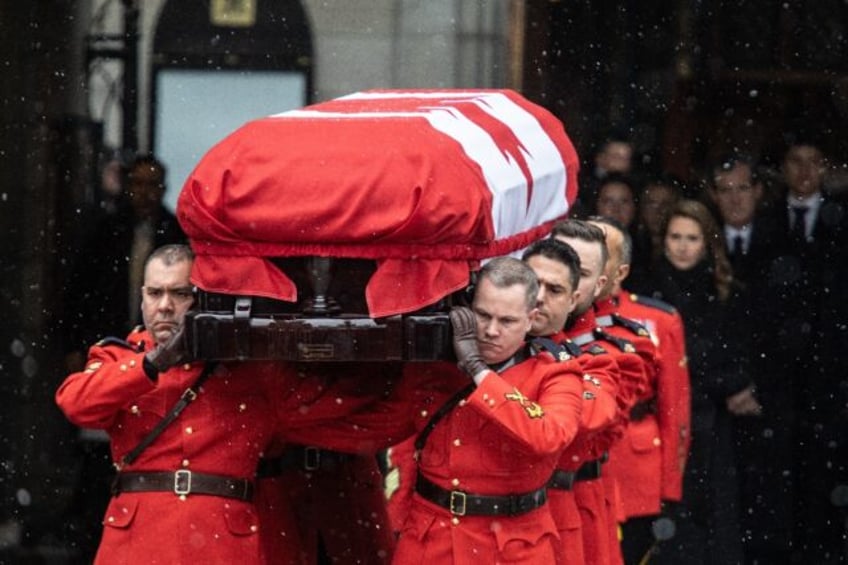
point(346, 230)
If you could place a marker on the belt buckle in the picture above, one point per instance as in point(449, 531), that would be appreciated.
point(457, 496)
point(182, 482)
point(311, 458)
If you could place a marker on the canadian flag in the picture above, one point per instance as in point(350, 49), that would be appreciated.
point(427, 182)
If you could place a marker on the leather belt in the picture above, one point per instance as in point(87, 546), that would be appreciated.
point(643, 409)
point(589, 470)
point(564, 480)
point(461, 503)
point(183, 483)
point(303, 458)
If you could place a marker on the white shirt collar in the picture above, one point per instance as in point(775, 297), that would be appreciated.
point(812, 202)
point(731, 233)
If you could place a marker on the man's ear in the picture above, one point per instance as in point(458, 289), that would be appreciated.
point(577, 297)
point(531, 317)
point(599, 286)
point(623, 273)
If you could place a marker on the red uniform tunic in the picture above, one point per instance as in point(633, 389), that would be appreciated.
point(610, 320)
point(280, 534)
point(223, 432)
point(597, 522)
point(336, 495)
point(642, 391)
point(336, 498)
point(651, 458)
point(600, 409)
point(402, 468)
point(503, 439)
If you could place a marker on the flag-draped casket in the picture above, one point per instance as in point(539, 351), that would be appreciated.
point(425, 183)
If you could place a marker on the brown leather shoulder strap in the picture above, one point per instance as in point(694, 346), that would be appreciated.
point(421, 440)
point(185, 399)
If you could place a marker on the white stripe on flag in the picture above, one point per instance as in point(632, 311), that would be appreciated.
point(511, 213)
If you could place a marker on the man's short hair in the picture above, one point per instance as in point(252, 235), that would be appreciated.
point(620, 178)
point(171, 254)
point(615, 135)
point(584, 231)
point(804, 136)
point(559, 251)
point(626, 241)
point(728, 162)
point(504, 272)
point(150, 161)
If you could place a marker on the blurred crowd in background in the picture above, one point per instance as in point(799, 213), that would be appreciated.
point(753, 255)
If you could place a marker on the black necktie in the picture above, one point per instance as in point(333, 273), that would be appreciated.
point(799, 226)
point(738, 246)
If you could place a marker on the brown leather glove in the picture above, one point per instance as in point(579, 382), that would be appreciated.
point(173, 352)
point(468, 356)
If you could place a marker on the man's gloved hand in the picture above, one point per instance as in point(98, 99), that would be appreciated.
point(173, 352)
point(468, 356)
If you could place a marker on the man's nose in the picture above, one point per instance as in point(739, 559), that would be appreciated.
point(492, 328)
point(166, 302)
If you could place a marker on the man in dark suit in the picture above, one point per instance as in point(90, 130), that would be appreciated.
point(764, 446)
point(736, 192)
point(805, 284)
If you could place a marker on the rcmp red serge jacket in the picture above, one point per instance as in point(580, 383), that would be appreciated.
point(235, 417)
point(636, 334)
point(343, 502)
point(665, 434)
point(601, 381)
point(629, 369)
point(223, 432)
point(504, 438)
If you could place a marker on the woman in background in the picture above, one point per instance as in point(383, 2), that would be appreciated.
point(694, 275)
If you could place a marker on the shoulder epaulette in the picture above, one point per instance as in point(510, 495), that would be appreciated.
point(653, 303)
point(621, 343)
point(595, 349)
point(583, 339)
point(116, 341)
point(559, 351)
point(632, 325)
point(572, 348)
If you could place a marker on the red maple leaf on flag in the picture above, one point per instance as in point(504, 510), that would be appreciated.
point(506, 139)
